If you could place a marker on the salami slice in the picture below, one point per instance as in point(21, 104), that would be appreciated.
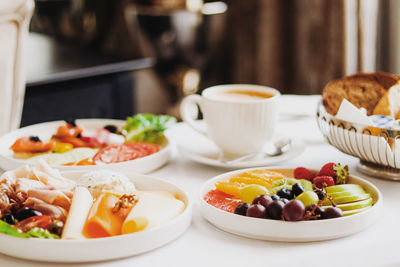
point(124, 152)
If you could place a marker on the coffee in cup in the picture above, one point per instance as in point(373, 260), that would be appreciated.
point(240, 118)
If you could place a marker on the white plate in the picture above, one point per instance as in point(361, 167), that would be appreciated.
point(47, 129)
point(303, 231)
point(103, 248)
point(200, 149)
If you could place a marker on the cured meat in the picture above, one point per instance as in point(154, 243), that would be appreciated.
point(54, 197)
point(54, 212)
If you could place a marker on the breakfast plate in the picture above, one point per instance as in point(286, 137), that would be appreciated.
point(291, 231)
point(200, 149)
point(107, 248)
point(45, 130)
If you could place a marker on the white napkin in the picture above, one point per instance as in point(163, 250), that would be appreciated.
point(349, 112)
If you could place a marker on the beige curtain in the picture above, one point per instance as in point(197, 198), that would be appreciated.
point(14, 21)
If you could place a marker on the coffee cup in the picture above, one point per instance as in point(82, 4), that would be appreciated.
point(239, 118)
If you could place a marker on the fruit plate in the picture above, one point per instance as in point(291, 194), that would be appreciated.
point(301, 231)
point(46, 129)
point(104, 248)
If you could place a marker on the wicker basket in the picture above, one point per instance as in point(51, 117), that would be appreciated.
point(377, 148)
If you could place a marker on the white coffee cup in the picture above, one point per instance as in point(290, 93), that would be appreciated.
point(240, 118)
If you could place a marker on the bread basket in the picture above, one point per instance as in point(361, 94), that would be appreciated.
point(377, 148)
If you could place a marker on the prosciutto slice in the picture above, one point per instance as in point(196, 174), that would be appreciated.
point(53, 211)
point(39, 187)
point(54, 197)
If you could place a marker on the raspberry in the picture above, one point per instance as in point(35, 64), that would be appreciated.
point(336, 171)
point(304, 173)
point(323, 181)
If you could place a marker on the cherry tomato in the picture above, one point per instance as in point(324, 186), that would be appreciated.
point(41, 221)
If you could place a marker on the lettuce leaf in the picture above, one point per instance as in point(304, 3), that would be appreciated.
point(147, 128)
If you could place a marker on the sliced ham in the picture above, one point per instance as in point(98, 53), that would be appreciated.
point(24, 185)
point(54, 197)
point(55, 212)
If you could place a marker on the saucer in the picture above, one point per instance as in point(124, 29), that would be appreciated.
point(201, 149)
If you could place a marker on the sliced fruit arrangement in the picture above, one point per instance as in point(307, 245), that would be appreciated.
point(308, 195)
point(142, 135)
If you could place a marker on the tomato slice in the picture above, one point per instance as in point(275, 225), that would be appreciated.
point(41, 221)
point(124, 152)
point(26, 144)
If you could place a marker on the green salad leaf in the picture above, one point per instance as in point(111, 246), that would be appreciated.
point(8, 229)
point(37, 232)
point(147, 128)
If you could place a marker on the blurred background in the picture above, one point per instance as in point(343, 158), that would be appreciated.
point(113, 58)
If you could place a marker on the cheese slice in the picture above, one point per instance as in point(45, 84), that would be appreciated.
point(150, 211)
point(80, 206)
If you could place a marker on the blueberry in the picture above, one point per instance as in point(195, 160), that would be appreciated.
point(297, 189)
point(275, 197)
point(285, 193)
point(321, 194)
point(284, 200)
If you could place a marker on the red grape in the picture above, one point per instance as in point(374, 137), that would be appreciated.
point(293, 210)
point(256, 210)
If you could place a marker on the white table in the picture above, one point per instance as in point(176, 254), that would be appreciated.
point(204, 245)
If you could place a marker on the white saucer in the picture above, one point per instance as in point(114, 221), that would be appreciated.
point(200, 149)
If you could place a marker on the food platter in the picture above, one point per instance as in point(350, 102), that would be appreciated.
point(45, 130)
point(103, 248)
point(298, 231)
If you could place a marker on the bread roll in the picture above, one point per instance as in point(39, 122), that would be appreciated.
point(364, 90)
point(389, 104)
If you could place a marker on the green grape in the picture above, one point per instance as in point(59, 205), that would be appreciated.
point(308, 197)
point(250, 192)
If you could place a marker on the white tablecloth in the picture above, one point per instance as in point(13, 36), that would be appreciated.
point(204, 245)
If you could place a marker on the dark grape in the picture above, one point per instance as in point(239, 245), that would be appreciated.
point(274, 209)
point(284, 200)
point(285, 193)
point(256, 210)
point(321, 194)
point(297, 189)
point(275, 197)
point(264, 200)
point(241, 209)
point(25, 213)
point(332, 212)
point(293, 210)
point(316, 211)
point(9, 218)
